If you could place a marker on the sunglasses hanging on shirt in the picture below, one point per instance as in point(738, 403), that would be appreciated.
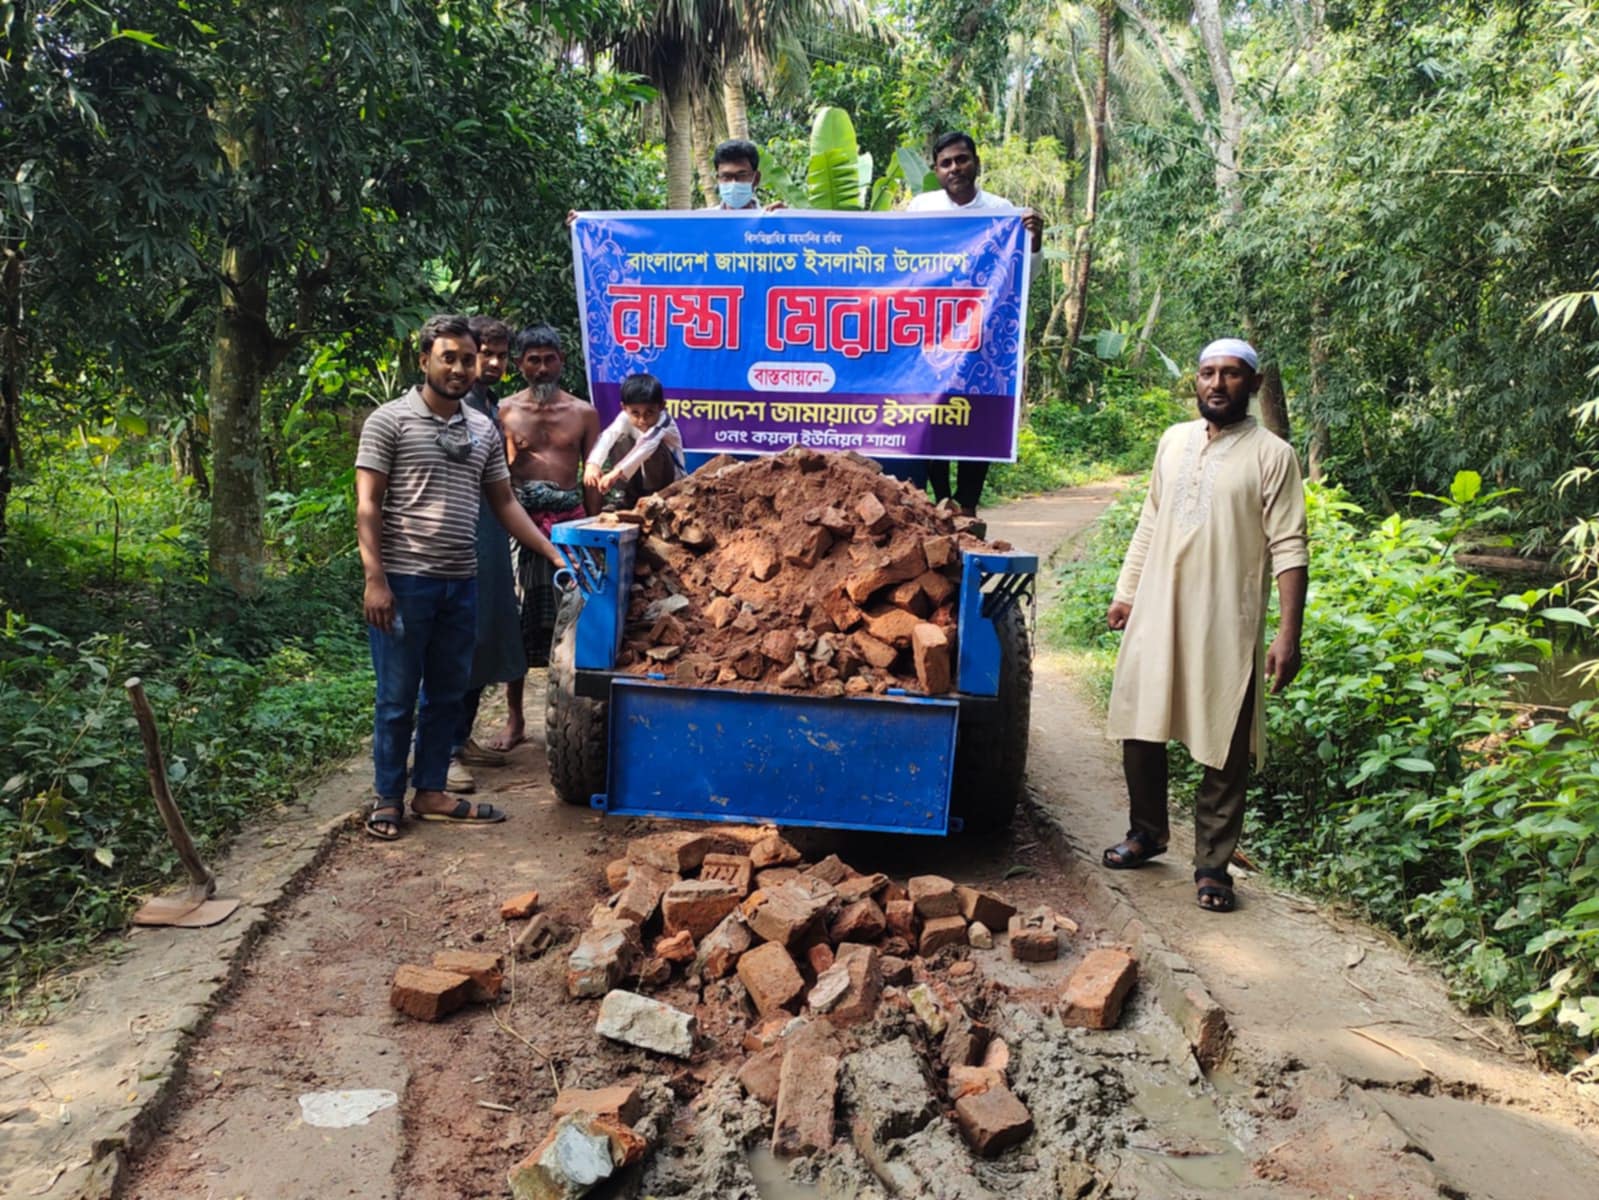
point(456, 441)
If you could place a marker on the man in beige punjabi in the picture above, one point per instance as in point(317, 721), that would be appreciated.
point(1225, 514)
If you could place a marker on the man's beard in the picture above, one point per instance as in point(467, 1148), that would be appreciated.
point(543, 393)
point(449, 388)
point(1222, 417)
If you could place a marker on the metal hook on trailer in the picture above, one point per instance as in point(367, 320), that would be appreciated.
point(582, 570)
point(1010, 589)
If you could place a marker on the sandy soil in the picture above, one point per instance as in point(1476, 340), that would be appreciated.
point(1351, 1076)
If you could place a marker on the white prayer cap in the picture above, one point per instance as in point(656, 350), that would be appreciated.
point(1231, 348)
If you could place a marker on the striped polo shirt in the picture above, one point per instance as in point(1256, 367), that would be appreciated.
point(431, 506)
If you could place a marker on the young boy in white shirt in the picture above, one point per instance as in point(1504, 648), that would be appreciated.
point(641, 450)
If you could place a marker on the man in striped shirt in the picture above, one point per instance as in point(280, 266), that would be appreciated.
point(424, 460)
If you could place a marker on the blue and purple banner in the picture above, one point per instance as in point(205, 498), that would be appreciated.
point(898, 335)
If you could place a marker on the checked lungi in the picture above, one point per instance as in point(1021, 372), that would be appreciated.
point(548, 505)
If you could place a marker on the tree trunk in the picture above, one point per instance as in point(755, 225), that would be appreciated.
point(239, 354)
point(188, 456)
point(677, 121)
point(704, 146)
point(1229, 122)
point(1083, 248)
point(735, 104)
point(1168, 59)
point(1320, 448)
point(1273, 404)
point(240, 359)
point(10, 376)
point(1147, 333)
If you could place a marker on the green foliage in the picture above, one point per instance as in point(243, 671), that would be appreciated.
point(833, 176)
point(1062, 444)
point(79, 834)
point(1403, 779)
point(1405, 206)
point(406, 158)
point(252, 699)
point(1401, 775)
point(838, 177)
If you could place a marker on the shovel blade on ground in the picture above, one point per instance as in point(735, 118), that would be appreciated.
point(184, 912)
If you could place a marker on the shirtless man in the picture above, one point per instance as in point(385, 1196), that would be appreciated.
point(549, 434)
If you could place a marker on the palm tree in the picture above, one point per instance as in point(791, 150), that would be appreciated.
point(696, 48)
point(1072, 77)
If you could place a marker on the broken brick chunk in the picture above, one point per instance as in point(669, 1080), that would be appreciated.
point(771, 978)
point(697, 906)
point(934, 896)
point(930, 652)
point(487, 971)
point(427, 993)
point(1094, 994)
point(807, 1094)
point(518, 907)
point(940, 932)
point(992, 1120)
point(621, 1102)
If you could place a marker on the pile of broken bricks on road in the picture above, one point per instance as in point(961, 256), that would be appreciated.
point(801, 966)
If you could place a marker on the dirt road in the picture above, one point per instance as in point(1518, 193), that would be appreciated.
point(1349, 1072)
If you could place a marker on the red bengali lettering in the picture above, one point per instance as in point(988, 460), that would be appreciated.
point(704, 327)
point(638, 315)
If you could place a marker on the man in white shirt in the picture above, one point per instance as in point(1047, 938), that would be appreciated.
point(956, 164)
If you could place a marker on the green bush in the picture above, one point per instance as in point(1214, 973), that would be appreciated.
point(251, 697)
point(1400, 774)
point(1063, 444)
point(79, 833)
point(105, 523)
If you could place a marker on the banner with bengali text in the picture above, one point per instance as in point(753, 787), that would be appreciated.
point(897, 335)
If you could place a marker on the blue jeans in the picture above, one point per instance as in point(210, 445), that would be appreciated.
point(428, 652)
point(471, 699)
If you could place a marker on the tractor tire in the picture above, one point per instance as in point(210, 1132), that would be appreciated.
point(576, 729)
point(991, 755)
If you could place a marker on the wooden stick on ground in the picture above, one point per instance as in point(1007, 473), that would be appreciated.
point(204, 882)
point(1391, 1048)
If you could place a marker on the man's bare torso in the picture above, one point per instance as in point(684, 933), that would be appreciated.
point(548, 441)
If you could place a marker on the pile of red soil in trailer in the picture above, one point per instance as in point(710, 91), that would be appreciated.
point(802, 571)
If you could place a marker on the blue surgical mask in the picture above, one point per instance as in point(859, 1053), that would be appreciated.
point(737, 194)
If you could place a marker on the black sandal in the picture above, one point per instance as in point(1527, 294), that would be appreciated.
point(1136, 849)
point(383, 819)
point(464, 813)
point(1215, 890)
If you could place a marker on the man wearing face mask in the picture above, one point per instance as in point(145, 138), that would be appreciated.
point(424, 461)
point(738, 173)
point(1224, 515)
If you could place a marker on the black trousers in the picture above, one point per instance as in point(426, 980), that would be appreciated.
point(969, 477)
point(1219, 806)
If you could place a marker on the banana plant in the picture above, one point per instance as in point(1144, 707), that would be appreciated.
point(838, 176)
